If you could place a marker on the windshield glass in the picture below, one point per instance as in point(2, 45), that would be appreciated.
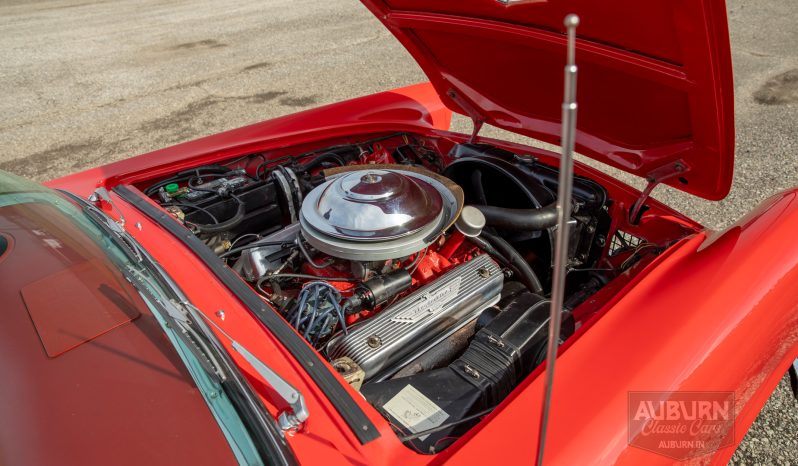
point(80, 285)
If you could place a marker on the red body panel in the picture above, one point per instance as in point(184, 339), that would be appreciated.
point(713, 313)
point(655, 76)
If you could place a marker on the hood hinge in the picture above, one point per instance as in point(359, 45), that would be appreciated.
point(655, 177)
point(476, 118)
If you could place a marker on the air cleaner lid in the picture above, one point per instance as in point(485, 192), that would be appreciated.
point(371, 205)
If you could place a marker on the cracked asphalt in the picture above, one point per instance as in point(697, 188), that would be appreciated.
point(86, 83)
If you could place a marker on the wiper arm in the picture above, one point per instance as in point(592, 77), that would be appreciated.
point(288, 420)
point(101, 194)
point(187, 318)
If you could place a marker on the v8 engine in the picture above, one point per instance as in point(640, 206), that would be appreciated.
point(414, 272)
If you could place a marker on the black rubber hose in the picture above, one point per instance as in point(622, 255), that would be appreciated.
point(205, 169)
point(325, 157)
point(277, 276)
point(485, 246)
point(476, 182)
point(520, 219)
point(527, 276)
point(187, 174)
point(488, 248)
point(227, 224)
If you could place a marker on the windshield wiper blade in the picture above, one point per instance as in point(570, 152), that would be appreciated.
point(116, 232)
point(176, 318)
point(196, 341)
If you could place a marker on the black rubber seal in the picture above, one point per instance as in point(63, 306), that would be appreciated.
point(353, 415)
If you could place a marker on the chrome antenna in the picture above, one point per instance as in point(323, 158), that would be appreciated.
point(568, 134)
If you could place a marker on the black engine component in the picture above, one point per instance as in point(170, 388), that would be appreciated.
point(520, 219)
point(216, 199)
point(514, 260)
point(499, 356)
point(380, 289)
point(495, 177)
point(258, 199)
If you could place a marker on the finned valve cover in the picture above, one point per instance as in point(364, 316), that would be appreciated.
point(383, 343)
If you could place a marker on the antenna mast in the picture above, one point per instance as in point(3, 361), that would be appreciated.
point(568, 134)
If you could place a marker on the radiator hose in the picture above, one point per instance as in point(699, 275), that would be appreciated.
point(505, 253)
point(520, 219)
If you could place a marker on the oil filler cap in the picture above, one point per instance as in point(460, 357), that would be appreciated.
point(470, 222)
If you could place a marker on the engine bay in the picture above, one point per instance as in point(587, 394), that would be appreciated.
point(419, 267)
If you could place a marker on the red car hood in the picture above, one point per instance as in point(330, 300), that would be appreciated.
point(655, 79)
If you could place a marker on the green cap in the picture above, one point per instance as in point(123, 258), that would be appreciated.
point(171, 188)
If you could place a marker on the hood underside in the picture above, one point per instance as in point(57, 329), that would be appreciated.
point(655, 81)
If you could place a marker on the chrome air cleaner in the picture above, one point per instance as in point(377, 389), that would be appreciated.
point(376, 214)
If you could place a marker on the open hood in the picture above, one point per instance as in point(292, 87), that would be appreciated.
point(655, 79)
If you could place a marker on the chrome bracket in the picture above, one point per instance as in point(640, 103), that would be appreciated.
point(290, 419)
point(655, 177)
point(101, 195)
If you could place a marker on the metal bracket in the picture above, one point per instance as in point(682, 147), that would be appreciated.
point(476, 118)
point(101, 194)
point(289, 420)
point(655, 177)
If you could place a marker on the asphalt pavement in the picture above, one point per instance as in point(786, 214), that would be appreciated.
point(86, 83)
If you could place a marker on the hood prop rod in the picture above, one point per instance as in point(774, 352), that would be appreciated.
point(654, 178)
point(564, 192)
point(477, 119)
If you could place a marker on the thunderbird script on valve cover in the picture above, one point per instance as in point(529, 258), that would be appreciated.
point(356, 284)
